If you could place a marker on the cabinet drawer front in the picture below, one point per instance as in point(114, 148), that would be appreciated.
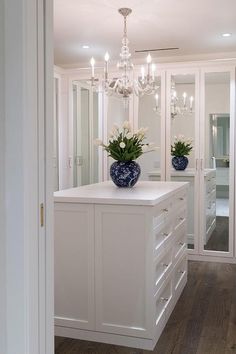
point(180, 218)
point(162, 236)
point(180, 245)
point(162, 301)
point(180, 273)
point(180, 200)
point(162, 214)
point(163, 266)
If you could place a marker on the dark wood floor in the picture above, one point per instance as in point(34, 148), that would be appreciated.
point(203, 322)
point(219, 240)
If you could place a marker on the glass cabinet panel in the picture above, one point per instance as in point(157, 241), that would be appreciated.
point(55, 137)
point(117, 113)
point(183, 128)
point(217, 158)
point(149, 115)
point(85, 130)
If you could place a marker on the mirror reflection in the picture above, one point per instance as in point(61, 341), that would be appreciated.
point(217, 155)
point(183, 128)
point(149, 115)
point(85, 130)
point(55, 137)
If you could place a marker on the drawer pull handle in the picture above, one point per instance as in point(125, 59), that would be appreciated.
point(181, 271)
point(165, 265)
point(164, 299)
point(165, 234)
point(181, 243)
point(165, 210)
point(181, 198)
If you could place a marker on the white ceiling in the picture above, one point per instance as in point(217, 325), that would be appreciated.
point(195, 26)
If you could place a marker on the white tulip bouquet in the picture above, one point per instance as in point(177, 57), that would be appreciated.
point(125, 145)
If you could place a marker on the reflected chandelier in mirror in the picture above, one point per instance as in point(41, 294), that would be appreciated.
point(180, 106)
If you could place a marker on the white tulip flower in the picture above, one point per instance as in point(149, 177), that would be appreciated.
point(122, 145)
point(144, 148)
point(126, 125)
point(129, 135)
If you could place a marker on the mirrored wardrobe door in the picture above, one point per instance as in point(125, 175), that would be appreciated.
point(218, 157)
point(117, 111)
point(150, 116)
point(85, 130)
point(56, 136)
point(183, 144)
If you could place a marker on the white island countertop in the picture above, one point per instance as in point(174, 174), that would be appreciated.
point(189, 172)
point(143, 193)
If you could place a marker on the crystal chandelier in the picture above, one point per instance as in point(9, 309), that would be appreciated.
point(180, 106)
point(125, 85)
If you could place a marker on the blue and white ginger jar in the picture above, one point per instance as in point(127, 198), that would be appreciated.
point(180, 162)
point(125, 174)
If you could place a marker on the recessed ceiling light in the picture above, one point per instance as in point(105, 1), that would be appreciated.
point(85, 46)
point(226, 34)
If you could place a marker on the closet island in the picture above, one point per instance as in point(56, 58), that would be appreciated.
point(120, 260)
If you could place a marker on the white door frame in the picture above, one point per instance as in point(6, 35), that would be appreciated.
point(26, 68)
point(231, 71)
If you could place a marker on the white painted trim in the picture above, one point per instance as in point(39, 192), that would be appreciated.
point(28, 34)
point(174, 62)
point(49, 214)
point(207, 258)
point(231, 71)
point(3, 280)
point(101, 337)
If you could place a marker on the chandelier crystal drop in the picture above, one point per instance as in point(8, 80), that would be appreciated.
point(125, 85)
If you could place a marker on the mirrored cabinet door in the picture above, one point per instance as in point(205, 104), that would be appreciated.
point(117, 111)
point(150, 116)
point(55, 135)
point(183, 144)
point(218, 155)
point(85, 130)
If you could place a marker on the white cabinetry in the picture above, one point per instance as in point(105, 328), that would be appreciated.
point(120, 261)
point(74, 265)
point(209, 216)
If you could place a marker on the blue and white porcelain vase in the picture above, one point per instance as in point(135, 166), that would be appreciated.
point(125, 174)
point(179, 162)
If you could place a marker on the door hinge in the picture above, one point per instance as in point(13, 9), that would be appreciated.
point(41, 215)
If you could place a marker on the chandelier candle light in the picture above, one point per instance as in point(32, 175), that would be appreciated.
point(125, 85)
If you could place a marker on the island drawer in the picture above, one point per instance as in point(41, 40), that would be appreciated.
point(162, 236)
point(162, 266)
point(180, 244)
point(180, 273)
point(162, 301)
point(162, 213)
